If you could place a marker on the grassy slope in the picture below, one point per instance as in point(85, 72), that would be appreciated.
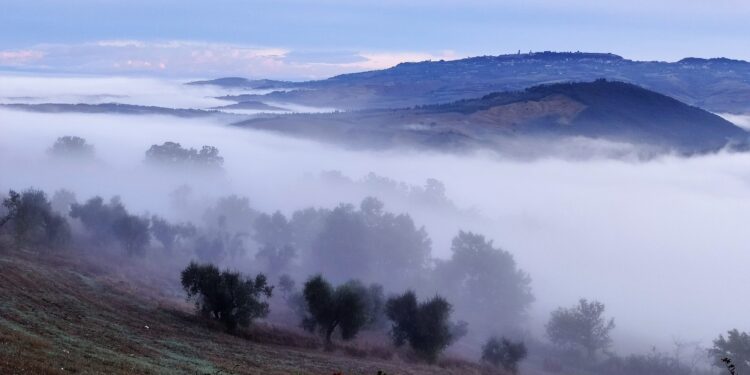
point(58, 315)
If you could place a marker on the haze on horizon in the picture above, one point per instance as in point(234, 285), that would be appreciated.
point(294, 39)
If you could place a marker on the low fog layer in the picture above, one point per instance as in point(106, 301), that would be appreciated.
point(660, 242)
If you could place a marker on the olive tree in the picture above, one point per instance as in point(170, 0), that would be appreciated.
point(424, 325)
point(343, 308)
point(226, 296)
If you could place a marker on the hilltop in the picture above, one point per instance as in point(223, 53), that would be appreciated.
point(613, 111)
point(718, 85)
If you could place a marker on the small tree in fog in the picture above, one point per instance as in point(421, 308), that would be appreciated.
point(503, 352)
point(62, 200)
point(735, 346)
point(31, 220)
point(226, 296)
point(172, 154)
point(582, 326)
point(111, 222)
point(170, 234)
point(425, 326)
point(276, 258)
point(71, 147)
point(132, 232)
point(274, 230)
point(484, 282)
point(232, 214)
point(286, 285)
point(328, 309)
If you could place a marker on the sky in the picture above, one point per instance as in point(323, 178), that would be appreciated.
point(296, 39)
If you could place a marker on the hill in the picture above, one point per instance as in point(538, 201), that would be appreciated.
point(718, 85)
point(60, 315)
point(613, 111)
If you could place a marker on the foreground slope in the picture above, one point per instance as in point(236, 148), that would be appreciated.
point(605, 110)
point(62, 316)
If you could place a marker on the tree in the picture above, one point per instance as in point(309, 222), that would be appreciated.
point(132, 232)
point(99, 217)
point(485, 283)
point(111, 222)
point(425, 326)
point(736, 347)
point(226, 296)
point(231, 213)
point(286, 284)
point(31, 220)
point(170, 234)
point(172, 154)
point(503, 352)
point(71, 147)
point(582, 326)
point(273, 230)
point(277, 258)
point(329, 308)
point(342, 239)
point(62, 200)
point(372, 245)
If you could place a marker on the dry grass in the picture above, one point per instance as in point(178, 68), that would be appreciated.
point(61, 315)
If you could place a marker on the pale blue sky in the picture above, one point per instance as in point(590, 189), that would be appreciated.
point(306, 39)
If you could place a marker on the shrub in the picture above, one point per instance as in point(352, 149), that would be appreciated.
point(425, 326)
point(503, 352)
point(226, 296)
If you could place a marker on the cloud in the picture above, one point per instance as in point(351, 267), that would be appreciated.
point(19, 57)
point(179, 58)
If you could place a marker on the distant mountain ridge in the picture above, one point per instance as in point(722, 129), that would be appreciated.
point(717, 84)
point(607, 110)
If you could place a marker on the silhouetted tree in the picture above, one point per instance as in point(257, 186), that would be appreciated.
point(582, 326)
point(503, 352)
point(71, 147)
point(328, 309)
point(30, 219)
point(484, 282)
point(425, 326)
point(735, 346)
point(226, 296)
